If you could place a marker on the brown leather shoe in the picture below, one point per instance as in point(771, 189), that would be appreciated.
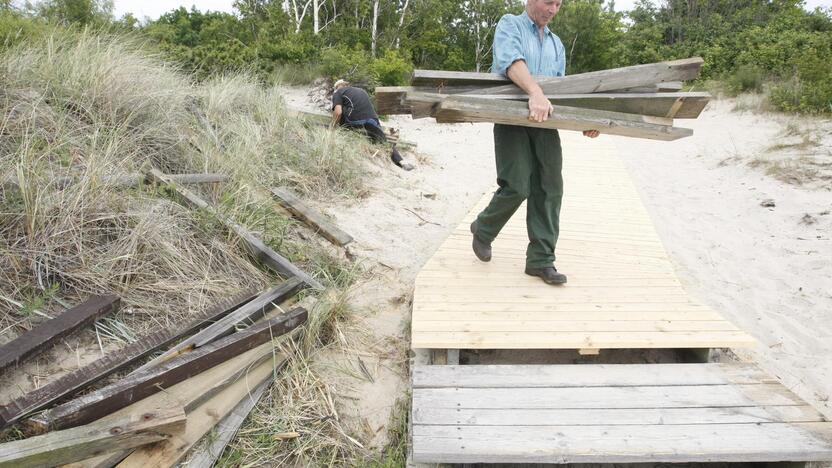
point(481, 249)
point(549, 275)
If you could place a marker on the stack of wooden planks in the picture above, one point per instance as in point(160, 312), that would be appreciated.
point(640, 101)
point(223, 362)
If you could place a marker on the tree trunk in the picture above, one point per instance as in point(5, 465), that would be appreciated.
point(316, 7)
point(401, 23)
point(375, 27)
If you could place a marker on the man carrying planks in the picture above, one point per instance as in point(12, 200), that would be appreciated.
point(352, 109)
point(529, 160)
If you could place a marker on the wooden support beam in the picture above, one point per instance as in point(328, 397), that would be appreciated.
point(224, 432)
point(133, 388)
point(80, 443)
point(611, 80)
point(255, 246)
point(465, 109)
point(49, 332)
point(113, 362)
point(672, 105)
point(311, 217)
point(248, 313)
point(592, 82)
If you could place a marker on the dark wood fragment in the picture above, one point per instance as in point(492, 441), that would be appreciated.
point(255, 246)
point(141, 385)
point(47, 333)
point(113, 362)
point(250, 312)
point(311, 217)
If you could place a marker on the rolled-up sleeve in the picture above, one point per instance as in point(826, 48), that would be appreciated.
point(508, 45)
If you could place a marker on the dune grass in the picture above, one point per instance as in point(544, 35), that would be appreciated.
point(84, 105)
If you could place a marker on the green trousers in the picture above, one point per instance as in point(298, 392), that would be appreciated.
point(529, 163)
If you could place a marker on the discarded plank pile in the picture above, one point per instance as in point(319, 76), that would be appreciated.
point(156, 414)
point(212, 372)
point(640, 101)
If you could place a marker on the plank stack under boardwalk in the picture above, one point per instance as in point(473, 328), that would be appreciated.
point(622, 294)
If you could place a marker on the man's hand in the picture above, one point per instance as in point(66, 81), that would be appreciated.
point(539, 107)
point(591, 133)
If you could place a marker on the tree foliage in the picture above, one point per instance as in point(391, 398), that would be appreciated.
point(745, 43)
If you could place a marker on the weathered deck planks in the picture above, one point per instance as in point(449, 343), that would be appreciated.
point(622, 292)
point(611, 414)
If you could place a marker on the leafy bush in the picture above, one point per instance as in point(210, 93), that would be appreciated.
point(745, 78)
point(392, 69)
point(350, 64)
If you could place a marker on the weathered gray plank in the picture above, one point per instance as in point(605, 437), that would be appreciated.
point(113, 362)
point(136, 387)
point(225, 431)
point(509, 416)
point(459, 109)
point(249, 312)
point(311, 217)
point(673, 105)
point(610, 80)
point(608, 397)
point(623, 444)
point(47, 333)
point(597, 375)
point(256, 247)
point(87, 441)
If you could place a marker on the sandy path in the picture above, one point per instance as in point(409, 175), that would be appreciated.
point(768, 269)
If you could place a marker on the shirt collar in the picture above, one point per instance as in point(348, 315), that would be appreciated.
point(525, 16)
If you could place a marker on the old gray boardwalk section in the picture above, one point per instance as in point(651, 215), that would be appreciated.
point(652, 413)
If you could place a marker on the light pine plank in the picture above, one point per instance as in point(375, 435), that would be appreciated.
point(621, 444)
point(578, 340)
point(618, 272)
point(539, 326)
point(200, 421)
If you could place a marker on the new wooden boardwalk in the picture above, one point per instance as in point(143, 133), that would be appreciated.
point(622, 293)
point(622, 290)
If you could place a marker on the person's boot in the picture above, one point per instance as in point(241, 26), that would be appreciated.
point(549, 275)
point(481, 249)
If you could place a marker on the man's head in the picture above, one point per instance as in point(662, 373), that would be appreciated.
point(341, 84)
point(542, 11)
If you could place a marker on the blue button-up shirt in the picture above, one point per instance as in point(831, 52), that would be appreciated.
point(517, 38)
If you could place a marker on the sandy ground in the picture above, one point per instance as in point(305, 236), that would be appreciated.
point(767, 268)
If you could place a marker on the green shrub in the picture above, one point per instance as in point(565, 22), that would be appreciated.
point(350, 64)
point(745, 78)
point(392, 69)
point(15, 29)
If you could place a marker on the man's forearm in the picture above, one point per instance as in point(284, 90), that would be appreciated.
point(519, 73)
